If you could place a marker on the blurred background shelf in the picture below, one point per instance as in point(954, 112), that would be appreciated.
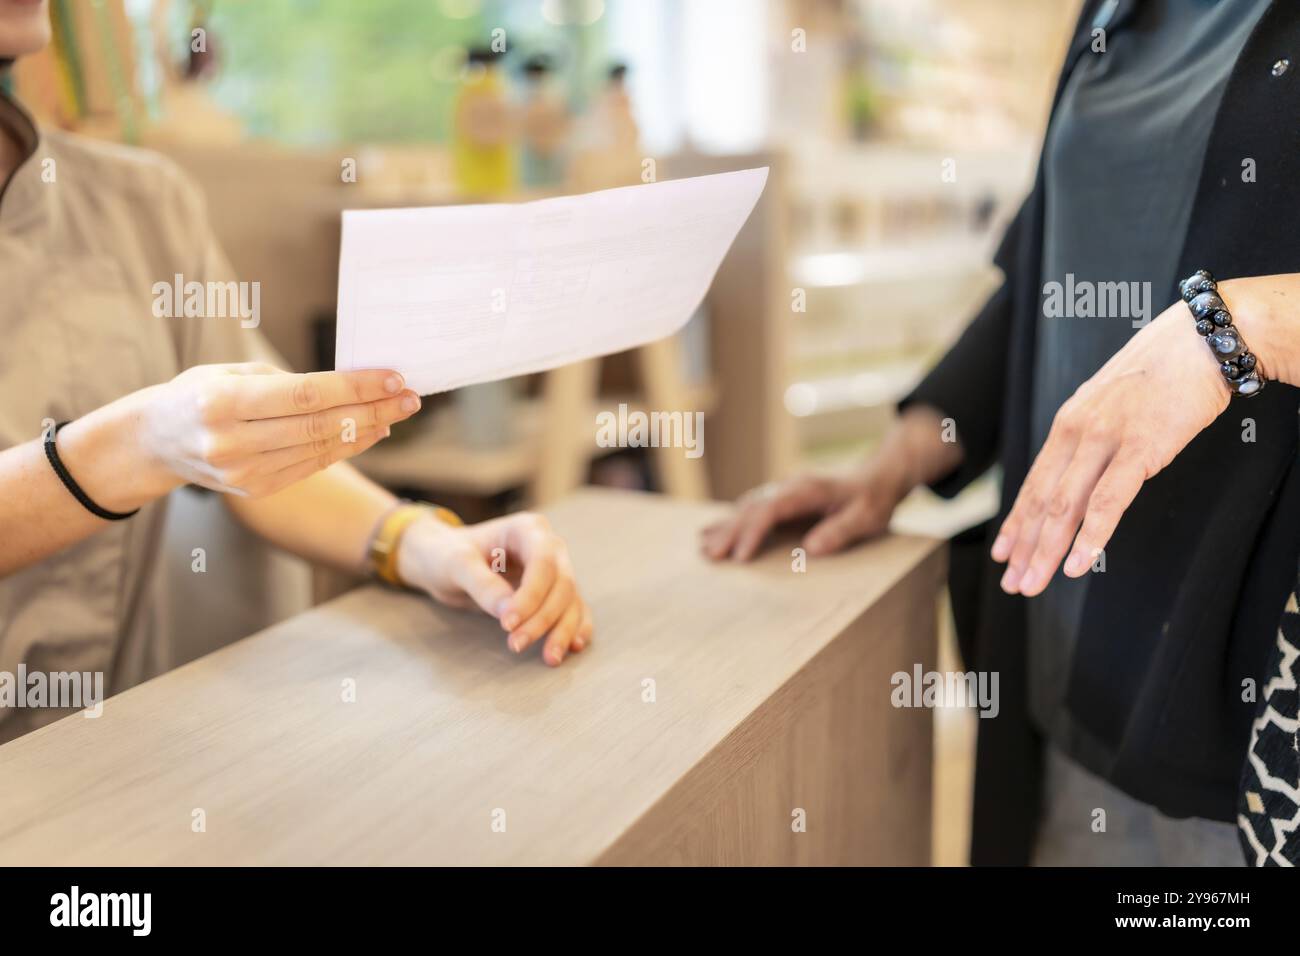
point(434, 450)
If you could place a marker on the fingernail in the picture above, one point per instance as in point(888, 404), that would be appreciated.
point(387, 431)
point(510, 621)
point(411, 403)
point(516, 642)
point(557, 656)
point(1009, 580)
point(1001, 548)
point(393, 384)
point(502, 606)
point(1074, 563)
point(1029, 581)
point(579, 643)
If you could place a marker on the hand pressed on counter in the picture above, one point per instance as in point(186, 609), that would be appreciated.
point(536, 595)
point(850, 508)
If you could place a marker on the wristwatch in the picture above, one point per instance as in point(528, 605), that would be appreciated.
point(388, 535)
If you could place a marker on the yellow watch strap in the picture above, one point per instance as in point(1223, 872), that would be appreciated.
point(388, 535)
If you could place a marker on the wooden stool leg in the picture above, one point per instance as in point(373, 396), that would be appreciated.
point(568, 430)
point(665, 389)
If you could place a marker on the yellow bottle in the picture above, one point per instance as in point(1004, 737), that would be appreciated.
point(483, 130)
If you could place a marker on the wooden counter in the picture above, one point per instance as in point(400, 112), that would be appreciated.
point(717, 703)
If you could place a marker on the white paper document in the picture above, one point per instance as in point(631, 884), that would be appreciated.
point(454, 295)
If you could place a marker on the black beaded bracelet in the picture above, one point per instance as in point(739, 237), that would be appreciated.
point(1214, 323)
point(52, 453)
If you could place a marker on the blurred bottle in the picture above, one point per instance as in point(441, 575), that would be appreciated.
point(187, 113)
point(482, 129)
point(545, 125)
point(610, 144)
point(614, 110)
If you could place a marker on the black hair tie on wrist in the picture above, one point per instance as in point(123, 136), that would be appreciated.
point(52, 453)
point(1214, 323)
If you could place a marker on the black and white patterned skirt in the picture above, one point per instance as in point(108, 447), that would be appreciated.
point(1268, 801)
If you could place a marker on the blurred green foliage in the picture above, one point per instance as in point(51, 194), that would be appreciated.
point(321, 72)
point(315, 72)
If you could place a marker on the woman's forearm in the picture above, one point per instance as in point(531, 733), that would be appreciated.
point(327, 519)
point(40, 517)
point(1265, 309)
point(1129, 421)
point(246, 429)
point(916, 451)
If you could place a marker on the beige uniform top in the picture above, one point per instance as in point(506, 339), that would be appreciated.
point(86, 229)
